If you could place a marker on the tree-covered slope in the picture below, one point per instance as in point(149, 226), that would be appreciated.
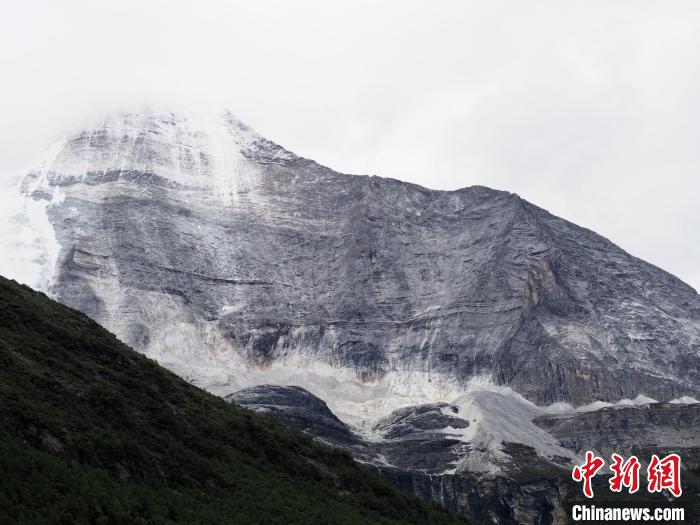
point(93, 432)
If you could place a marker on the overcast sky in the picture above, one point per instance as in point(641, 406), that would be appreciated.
point(588, 109)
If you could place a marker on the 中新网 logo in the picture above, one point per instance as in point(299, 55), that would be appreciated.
point(662, 474)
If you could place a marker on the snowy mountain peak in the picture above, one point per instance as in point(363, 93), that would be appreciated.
point(231, 260)
point(213, 152)
point(187, 149)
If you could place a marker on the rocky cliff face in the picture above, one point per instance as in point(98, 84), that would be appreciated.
point(220, 254)
point(236, 263)
point(657, 428)
point(445, 452)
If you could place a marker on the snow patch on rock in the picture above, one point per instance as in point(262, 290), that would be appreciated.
point(497, 416)
point(28, 246)
point(684, 400)
point(640, 400)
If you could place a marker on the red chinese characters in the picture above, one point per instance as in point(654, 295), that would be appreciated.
point(625, 474)
point(587, 471)
point(662, 474)
point(665, 474)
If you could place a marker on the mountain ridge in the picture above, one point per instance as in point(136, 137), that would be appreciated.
point(462, 284)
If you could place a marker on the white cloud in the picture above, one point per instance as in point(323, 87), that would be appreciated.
point(588, 109)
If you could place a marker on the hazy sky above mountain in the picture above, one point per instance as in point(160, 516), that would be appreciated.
point(588, 109)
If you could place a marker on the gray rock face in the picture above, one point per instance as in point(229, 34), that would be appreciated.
point(410, 437)
point(222, 255)
point(297, 408)
point(657, 428)
point(411, 448)
point(417, 420)
point(492, 500)
point(413, 439)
